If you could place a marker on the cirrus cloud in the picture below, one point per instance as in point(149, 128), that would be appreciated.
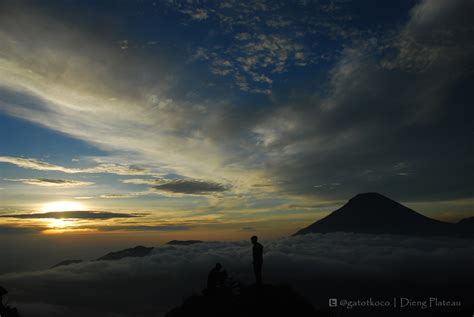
point(31, 163)
point(49, 182)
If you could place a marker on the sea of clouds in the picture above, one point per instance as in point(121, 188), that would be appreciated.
point(319, 266)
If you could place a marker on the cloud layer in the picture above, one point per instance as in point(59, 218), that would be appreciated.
point(72, 215)
point(318, 266)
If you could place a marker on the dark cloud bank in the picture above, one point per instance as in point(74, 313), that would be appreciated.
point(317, 265)
point(190, 186)
point(73, 215)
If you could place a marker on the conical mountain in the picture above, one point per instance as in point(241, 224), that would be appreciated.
point(375, 213)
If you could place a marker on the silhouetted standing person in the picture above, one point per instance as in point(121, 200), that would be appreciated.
point(257, 252)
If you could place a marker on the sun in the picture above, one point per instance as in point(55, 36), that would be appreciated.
point(55, 226)
point(55, 206)
point(58, 223)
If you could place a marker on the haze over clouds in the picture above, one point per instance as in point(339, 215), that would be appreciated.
point(315, 264)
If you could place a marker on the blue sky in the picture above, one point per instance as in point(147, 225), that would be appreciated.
point(214, 116)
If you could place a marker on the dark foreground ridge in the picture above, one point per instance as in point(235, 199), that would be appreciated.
point(377, 214)
point(247, 301)
point(138, 251)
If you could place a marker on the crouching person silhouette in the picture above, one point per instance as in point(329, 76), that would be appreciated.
point(216, 279)
point(257, 252)
point(5, 310)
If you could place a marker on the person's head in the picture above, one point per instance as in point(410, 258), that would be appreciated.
point(218, 266)
point(254, 239)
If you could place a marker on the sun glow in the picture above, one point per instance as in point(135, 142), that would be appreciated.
point(56, 226)
point(62, 206)
point(59, 223)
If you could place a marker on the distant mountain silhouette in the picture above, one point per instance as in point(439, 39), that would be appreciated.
point(466, 226)
point(66, 262)
point(183, 242)
point(377, 214)
point(248, 301)
point(138, 251)
point(467, 221)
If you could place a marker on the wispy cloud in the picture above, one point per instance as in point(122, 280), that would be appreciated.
point(144, 181)
point(144, 228)
point(48, 182)
point(198, 14)
point(107, 109)
point(31, 163)
point(120, 196)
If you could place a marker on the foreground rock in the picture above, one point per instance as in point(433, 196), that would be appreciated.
point(267, 300)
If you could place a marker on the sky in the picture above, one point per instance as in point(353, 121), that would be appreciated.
point(133, 121)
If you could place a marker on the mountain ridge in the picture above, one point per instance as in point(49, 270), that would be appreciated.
point(138, 251)
point(377, 214)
